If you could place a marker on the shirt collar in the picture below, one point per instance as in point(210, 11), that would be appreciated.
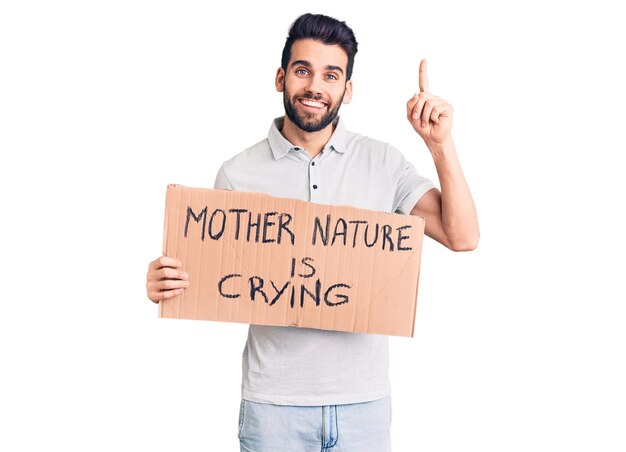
point(281, 146)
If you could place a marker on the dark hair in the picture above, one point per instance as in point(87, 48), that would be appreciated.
point(325, 29)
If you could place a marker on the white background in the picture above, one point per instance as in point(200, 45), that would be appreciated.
point(519, 345)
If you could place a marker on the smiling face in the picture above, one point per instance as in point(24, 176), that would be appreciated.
point(314, 84)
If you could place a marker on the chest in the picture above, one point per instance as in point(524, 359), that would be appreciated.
point(334, 179)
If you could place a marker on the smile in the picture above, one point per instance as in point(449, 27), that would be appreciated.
point(314, 104)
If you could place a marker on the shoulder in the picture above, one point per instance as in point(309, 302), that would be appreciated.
point(256, 154)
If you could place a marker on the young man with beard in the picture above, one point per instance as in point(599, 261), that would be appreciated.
point(307, 389)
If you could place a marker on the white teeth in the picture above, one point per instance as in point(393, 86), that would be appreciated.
point(312, 103)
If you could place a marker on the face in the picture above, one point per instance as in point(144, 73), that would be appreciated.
point(314, 85)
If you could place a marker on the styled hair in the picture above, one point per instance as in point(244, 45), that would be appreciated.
point(325, 29)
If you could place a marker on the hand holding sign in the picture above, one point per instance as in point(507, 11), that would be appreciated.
point(430, 116)
point(165, 279)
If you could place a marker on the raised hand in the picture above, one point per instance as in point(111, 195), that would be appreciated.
point(430, 116)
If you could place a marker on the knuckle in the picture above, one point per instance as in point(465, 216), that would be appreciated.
point(171, 284)
point(171, 293)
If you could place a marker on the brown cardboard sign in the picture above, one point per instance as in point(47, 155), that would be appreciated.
point(259, 259)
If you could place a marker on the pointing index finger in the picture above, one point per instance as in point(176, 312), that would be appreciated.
point(423, 77)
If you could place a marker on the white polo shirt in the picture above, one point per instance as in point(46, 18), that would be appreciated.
point(304, 366)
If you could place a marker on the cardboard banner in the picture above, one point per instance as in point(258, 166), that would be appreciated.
point(259, 259)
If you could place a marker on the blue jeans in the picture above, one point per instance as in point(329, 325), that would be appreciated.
point(358, 427)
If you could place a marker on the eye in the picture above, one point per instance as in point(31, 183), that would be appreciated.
point(301, 71)
point(332, 77)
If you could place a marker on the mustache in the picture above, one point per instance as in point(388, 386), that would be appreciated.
point(317, 97)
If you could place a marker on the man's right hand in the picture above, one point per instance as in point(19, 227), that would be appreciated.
point(166, 279)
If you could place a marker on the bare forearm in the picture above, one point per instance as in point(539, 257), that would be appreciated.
point(458, 213)
point(454, 215)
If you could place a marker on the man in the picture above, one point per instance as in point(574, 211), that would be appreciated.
point(306, 389)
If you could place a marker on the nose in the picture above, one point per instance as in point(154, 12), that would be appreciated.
point(314, 86)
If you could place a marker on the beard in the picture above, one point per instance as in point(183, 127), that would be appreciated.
point(307, 121)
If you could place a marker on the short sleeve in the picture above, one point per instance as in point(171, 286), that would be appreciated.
point(410, 186)
point(221, 180)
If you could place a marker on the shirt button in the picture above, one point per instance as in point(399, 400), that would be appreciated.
point(315, 187)
point(313, 163)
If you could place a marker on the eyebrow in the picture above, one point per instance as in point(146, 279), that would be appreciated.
point(328, 67)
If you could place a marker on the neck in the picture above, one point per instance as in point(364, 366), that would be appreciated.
point(313, 142)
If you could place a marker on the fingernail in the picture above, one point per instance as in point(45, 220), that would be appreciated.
point(185, 276)
point(185, 283)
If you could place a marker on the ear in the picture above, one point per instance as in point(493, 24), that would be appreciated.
point(347, 97)
point(280, 80)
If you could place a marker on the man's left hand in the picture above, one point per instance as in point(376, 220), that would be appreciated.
point(430, 116)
